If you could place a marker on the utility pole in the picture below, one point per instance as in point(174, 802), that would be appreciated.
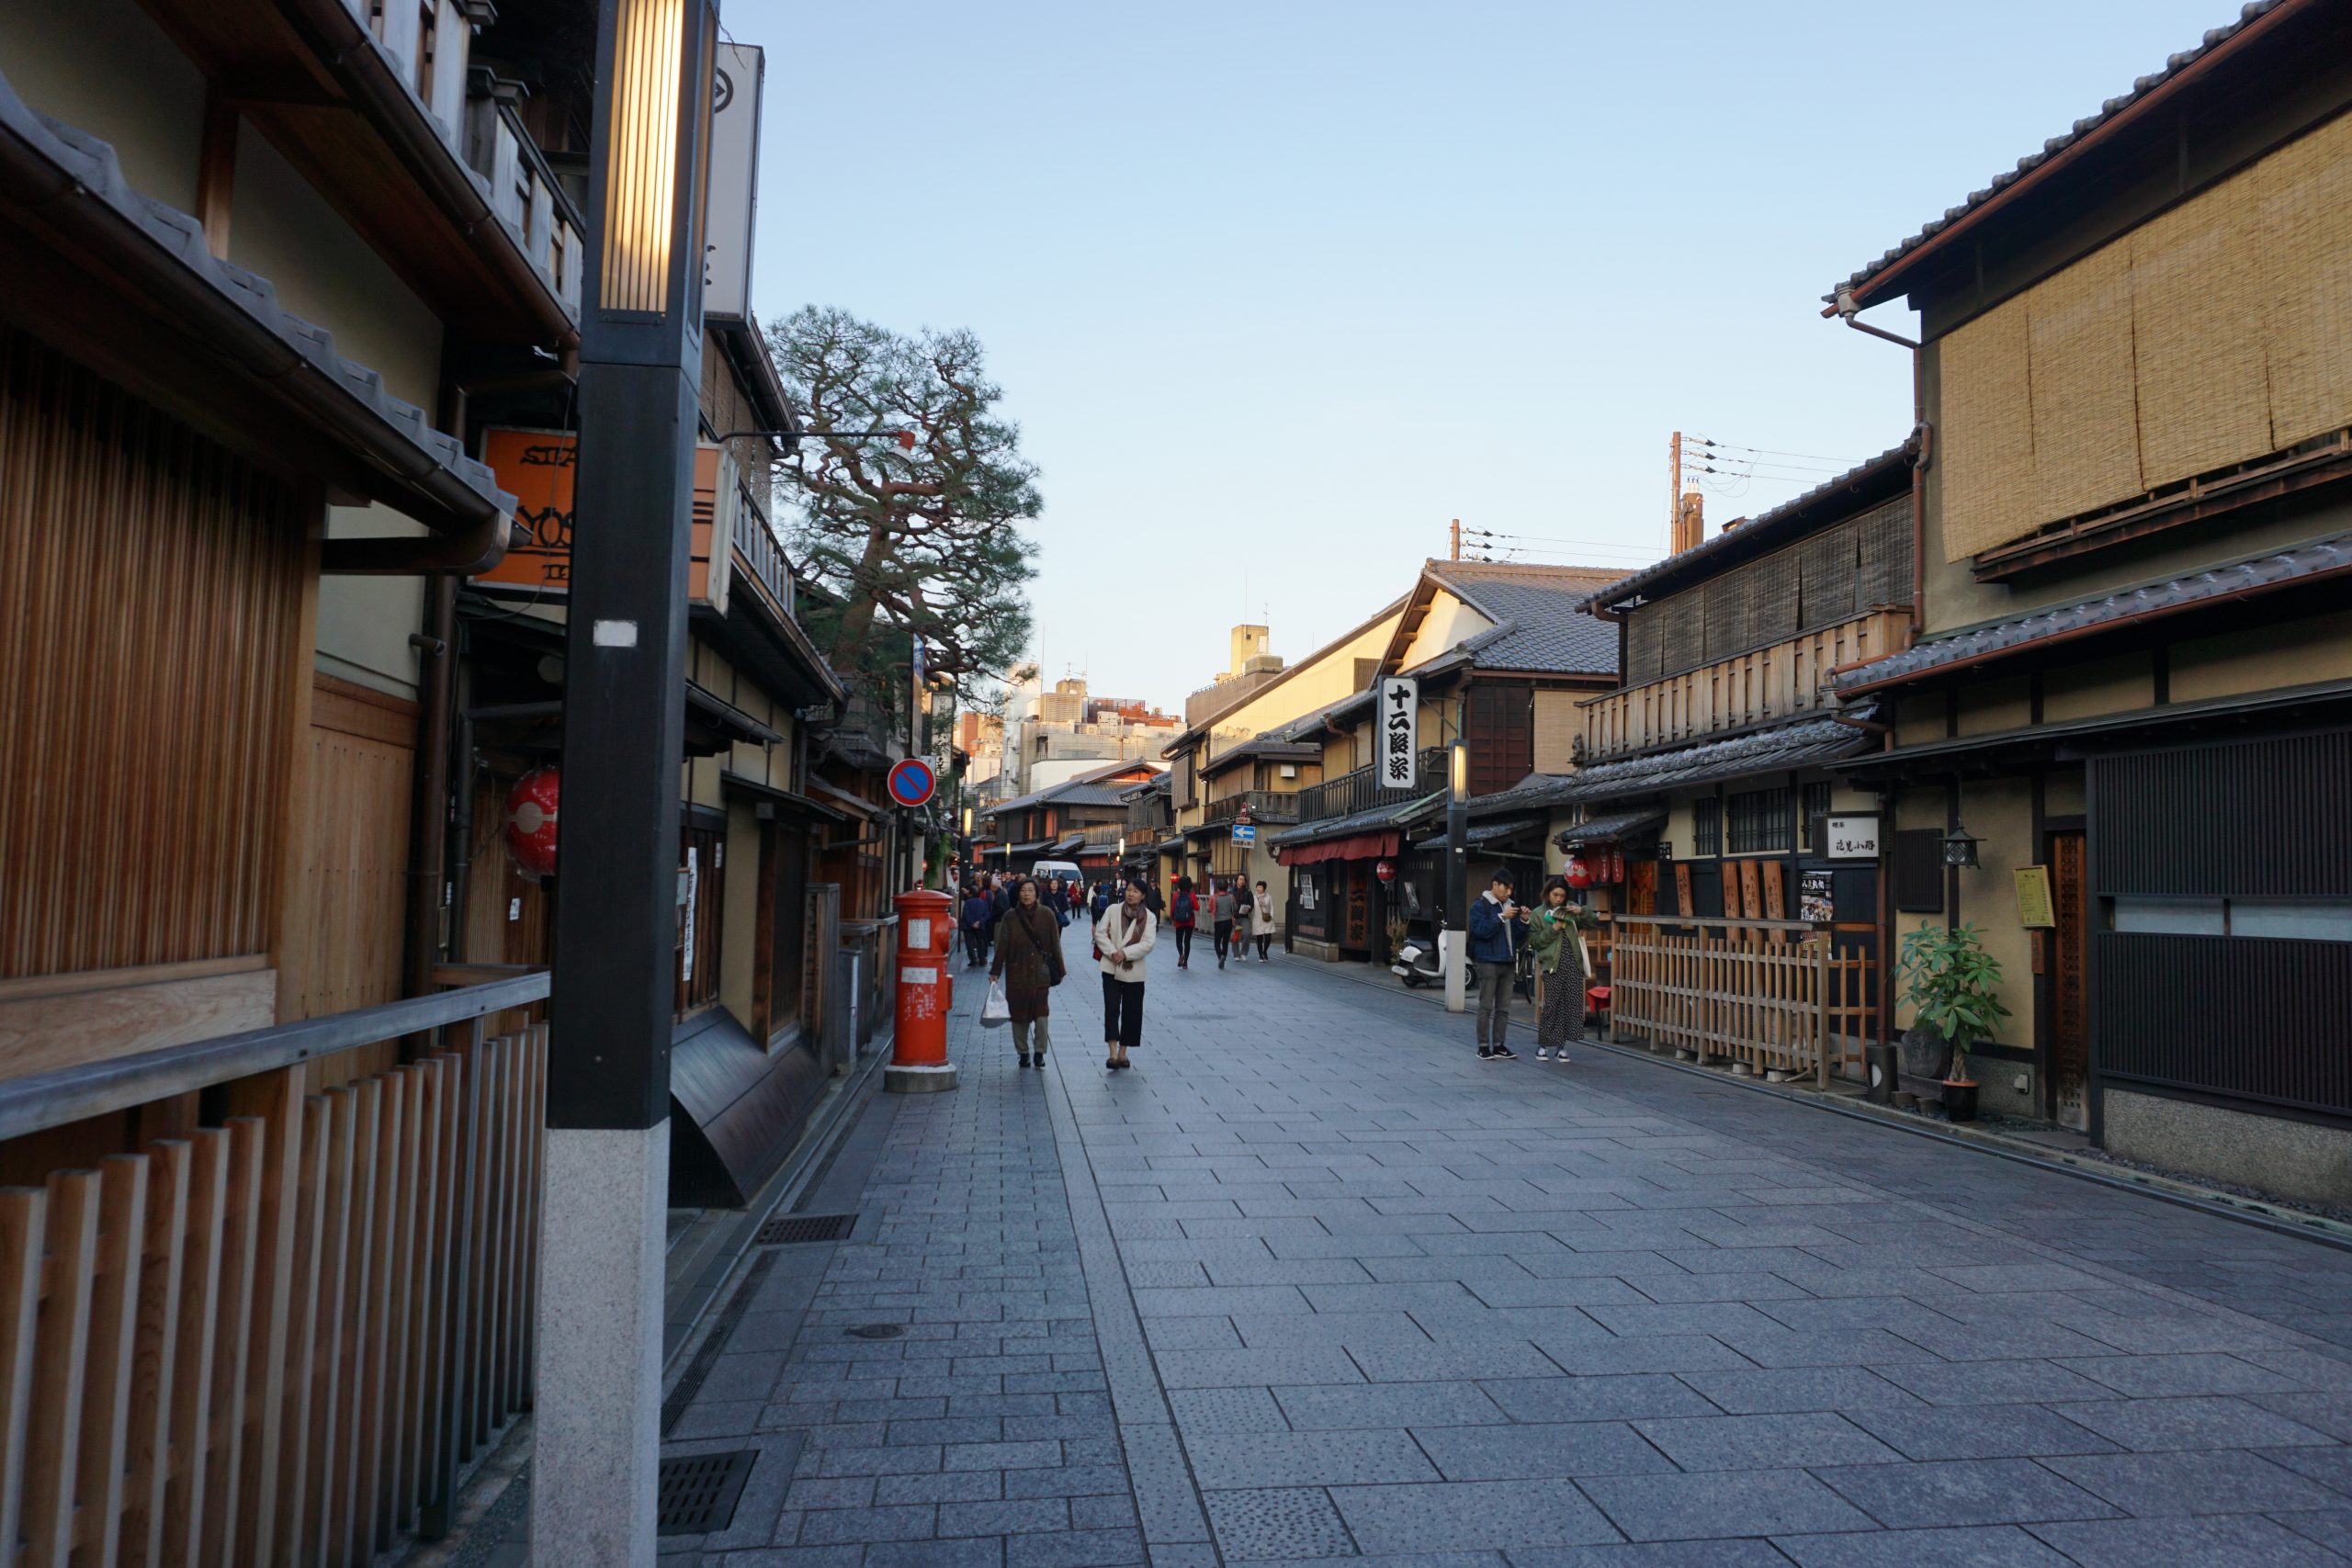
point(606, 1189)
point(1673, 488)
point(1456, 531)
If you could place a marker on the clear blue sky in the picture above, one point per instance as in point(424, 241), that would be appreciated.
point(1277, 289)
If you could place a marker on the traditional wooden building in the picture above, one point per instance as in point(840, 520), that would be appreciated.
point(1501, 653)
point(1082, 819)
point(2128, 703)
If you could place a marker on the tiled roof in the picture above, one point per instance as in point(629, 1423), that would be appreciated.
point(2322, 558)
point(1483, 833)
point(1534, 790)
point(1790, 745)
point(1608, 830)
point(1540, 620)
point(1269, 747)
point(1085, 789)
point(90, 166)
point(2140, 87)
point(1762, 525)
point(1364, 821)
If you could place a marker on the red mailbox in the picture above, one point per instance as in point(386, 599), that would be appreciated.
point(919, 1061)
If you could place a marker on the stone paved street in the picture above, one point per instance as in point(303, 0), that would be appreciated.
point(1312, 1283)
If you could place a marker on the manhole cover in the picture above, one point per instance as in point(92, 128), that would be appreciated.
point(875, 1331)
point(698, 1492)
point(787, 1229)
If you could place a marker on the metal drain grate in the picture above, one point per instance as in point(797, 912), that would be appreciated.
point(876, 1330)
point(698, 1493)
point(787, 1229)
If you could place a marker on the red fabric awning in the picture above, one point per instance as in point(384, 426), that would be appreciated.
point(1355, 846)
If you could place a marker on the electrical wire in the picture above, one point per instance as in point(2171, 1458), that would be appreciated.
point(1773, 451)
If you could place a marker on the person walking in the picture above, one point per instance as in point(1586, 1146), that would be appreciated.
point(1029, 958)
point(1561, 971)
point(1262, 921)
point(1183, 910)
point(977, 918)
point(1123, 937)
point(1495, 926)
point(1222, 910)
point(1244, 906)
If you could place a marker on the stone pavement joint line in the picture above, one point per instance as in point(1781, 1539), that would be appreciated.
point(1312, 1284)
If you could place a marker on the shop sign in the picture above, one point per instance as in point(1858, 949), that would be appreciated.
point(1815, 900)
point(1400, 732)
point(1850, 838)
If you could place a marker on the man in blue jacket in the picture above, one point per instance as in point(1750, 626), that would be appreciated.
point(1495, 923)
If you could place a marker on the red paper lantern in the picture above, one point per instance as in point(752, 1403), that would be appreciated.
point(530, 820)
point(1386, 873)
point(1579, 872)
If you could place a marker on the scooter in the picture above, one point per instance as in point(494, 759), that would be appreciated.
point(1422, 963)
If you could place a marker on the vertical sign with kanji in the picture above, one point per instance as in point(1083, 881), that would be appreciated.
point(1400, 732)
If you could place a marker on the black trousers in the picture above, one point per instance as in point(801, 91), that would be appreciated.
point(1224, 940)
point(1183, 943)
point(1266, 941)
point(976, 943)
point(1123, 1010)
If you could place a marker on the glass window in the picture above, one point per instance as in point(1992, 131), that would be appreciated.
point(1762, 820)
point(1707, 825)
point(2305, 920)
point(2172, 917)
point(1816, 807)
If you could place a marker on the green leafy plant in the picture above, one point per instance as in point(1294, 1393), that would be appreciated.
point(1950, 981)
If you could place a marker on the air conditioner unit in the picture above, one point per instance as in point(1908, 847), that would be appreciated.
point(1290, 769)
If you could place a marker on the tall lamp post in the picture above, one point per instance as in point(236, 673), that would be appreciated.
point(607, 1161)
point(1456, 950)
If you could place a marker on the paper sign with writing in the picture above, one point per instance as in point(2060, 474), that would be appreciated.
point(2033, 896)
point(1400, 722)
point(1850, 838)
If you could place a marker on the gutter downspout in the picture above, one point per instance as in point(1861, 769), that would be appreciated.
point(1922, 446)
point(429, 797)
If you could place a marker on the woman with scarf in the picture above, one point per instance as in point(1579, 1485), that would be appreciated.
point(1029, 958)
point(1560, 970)
point(1123, 937)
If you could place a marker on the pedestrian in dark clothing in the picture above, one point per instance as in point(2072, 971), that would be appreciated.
point(1222, 909)
point(1029, 957)
point(1562, 970)
point(1182, 911)
point(1124, 934)
point(1495, 926)
point(1102, 900)
point(978, 916)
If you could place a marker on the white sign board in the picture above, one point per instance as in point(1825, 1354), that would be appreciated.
point(1849, 837)
point(733, 202)
point(1400, 718)
point(918, 934)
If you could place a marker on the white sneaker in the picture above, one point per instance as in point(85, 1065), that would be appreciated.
point(1543, 1053)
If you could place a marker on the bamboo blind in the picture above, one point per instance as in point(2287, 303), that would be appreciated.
point(2215, 333)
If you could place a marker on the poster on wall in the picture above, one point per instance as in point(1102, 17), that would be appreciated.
point(1815, 903)
point(2033, 896)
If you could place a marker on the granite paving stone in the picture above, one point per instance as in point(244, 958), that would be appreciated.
point(1311, 1285)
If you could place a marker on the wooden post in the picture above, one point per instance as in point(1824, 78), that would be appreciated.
point(24, 1211)
point(1821, 997)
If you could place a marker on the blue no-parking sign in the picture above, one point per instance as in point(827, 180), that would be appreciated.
point(912, 782)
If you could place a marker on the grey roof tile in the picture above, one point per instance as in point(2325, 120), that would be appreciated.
point(2320, 558)
point(1790, 745)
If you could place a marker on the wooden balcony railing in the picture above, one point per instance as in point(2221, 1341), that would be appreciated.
point(1361, 790)
point(1780, 682)
point(1279, 806)
point(1780, 996)
point(275, 1335)
point(758, 547)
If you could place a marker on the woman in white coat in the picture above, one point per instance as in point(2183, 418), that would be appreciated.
point(1123, 937)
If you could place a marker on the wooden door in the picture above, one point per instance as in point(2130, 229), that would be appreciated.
point(1501, 728)
point(2069, 1023)
point(1641, 888)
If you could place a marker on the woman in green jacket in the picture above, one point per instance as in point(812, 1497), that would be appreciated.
point(1559, 958)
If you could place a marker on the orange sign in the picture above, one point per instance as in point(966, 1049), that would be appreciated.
point(537, 466)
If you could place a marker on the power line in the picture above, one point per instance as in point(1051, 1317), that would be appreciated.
point(1770, 451)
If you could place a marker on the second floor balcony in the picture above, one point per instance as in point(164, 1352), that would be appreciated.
point(1362, 790)
point(1263, 805)
point(1782, 681)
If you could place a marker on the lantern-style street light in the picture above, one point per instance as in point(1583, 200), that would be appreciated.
point(608, 1157)
point(1960, 848)
point(1454, 948)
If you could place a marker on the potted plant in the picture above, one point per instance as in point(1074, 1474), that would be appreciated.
point(1950, 981)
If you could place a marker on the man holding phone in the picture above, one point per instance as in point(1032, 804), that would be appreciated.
point(1495, 928)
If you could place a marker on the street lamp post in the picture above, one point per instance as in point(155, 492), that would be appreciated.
point(1455, 953)
point(607, 1155)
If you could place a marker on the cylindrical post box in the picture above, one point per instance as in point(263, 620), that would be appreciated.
point(919, 1061)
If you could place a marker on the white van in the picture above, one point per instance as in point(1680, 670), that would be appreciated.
point(1045, 868)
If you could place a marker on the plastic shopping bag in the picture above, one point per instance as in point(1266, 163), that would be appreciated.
point(996, 1012)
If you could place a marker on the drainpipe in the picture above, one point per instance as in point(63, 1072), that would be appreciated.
point(429, 794)
point(1922, 446)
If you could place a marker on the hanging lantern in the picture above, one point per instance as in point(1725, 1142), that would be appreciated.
point(1579, 872)
point(530, 821)
point(1960, 848)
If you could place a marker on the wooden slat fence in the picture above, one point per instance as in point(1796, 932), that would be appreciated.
point(1778, 995)
point(278, 1339)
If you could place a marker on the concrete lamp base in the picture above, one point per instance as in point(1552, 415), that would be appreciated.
point(933, 1079)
